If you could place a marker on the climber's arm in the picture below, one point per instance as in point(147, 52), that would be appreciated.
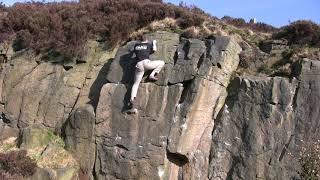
point(154, 45)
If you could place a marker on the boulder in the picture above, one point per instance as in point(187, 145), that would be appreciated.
point(307, 102)
point(67, 174)
point(264, 125)
point(190, 136)
point(34, 136)
point(7, 131)
point(6, 49)
point(41, 174)
point(60, 174)
point(133, 146)
point(80, 140)
point(252, 129)
point(170, 133)
point(189, 55)
point(193, 123)
point(274, 46)
point(33, 91)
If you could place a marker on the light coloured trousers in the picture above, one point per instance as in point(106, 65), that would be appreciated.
point(141, 67)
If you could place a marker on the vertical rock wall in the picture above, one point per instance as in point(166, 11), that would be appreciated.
point(170, 136)
point(265, 123)
point(191, 124)
point(34, 92)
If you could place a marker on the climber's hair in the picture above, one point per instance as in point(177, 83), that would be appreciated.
point(143, 37)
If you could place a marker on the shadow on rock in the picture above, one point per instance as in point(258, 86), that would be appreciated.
point(127, 62)
point(97, 85)
point(126, 99)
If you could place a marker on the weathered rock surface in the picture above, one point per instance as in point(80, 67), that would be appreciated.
point(80, 140)
point(123, 70)
point(262, 126)
point(41, 174)
point(5, 130)
point(46, 93)
point(170, 136)
point(274, 46)
point(191, 124)
point(190, 134)
point(6, 51)
point(34, 136)
point(307, 101)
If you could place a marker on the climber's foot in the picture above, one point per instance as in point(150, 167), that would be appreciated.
point(132, 111)
point(131, 102)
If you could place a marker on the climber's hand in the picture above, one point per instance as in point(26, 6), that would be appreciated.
point(154, 43)
point(132, 100)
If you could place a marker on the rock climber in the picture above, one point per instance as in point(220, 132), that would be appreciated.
point(142, 50)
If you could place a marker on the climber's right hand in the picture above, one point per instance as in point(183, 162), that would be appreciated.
point(132, 100)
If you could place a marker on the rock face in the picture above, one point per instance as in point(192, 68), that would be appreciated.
point(193, 123)
point(274, 46)
point(79, 138)
point(170, 136)
point(263, 125)
point(46, 93)
point(33, 137)
point(7, 131)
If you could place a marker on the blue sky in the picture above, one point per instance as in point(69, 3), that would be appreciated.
point(274, 12)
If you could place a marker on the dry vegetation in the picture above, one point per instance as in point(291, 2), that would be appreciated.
point(19, 163)
point(301, 39)
point(241, 23)
point(65, 27)
point(16, 164)
point(310, 161)
point(303, 33)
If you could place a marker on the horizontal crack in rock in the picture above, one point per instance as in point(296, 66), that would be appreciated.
point(177, 159)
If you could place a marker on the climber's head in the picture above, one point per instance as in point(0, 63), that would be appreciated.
point(143, 38)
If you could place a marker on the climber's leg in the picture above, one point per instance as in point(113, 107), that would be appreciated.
point(137, 79)
point(156, 66)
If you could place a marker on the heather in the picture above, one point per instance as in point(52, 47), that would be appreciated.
point(241, 23)
point(15, 164)
point(302, 33)
point(64, 28)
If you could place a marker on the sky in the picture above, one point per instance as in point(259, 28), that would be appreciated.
point(275, 12)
